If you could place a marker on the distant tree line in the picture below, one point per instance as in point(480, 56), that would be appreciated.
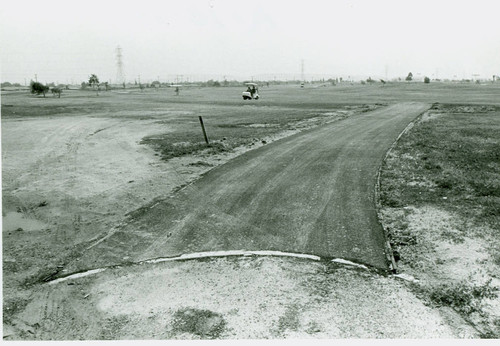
point(8, 84)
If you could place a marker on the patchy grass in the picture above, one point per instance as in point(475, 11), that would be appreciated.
point(461, 296)
point(169, 148)
point(112, 326)
point(230, 127)
point(12, 306)
point(289, 320)
point(452, 162)
point(203, 323)
point(440, 195)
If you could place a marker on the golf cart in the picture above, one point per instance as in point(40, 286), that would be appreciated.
point(177, 88)
point(251, 93)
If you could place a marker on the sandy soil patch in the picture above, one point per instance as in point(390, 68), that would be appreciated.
point(444, 252)
point(238, 297)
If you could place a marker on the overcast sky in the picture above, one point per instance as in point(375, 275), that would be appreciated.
point(66, 41)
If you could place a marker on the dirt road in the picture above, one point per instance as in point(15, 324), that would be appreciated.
point(309, 193)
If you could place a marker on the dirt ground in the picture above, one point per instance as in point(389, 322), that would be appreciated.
point(231, 298)
point(86, 173)
point(445, 240)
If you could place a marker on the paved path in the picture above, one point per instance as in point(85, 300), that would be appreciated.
point(309, 193)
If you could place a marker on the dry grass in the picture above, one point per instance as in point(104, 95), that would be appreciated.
point(441, 206)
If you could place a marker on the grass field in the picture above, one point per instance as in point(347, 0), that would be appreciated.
point(74, 168)
point(440, 188)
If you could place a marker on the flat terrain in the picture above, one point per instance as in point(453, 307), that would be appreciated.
point(441, 206)
point(86, 183)
point(310, 193)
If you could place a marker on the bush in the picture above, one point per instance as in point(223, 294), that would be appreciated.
point(427, 80)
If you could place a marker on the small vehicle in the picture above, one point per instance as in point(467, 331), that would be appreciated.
point(177, 88)
point(252, 92)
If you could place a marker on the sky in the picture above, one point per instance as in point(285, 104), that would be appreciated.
point(66, 41)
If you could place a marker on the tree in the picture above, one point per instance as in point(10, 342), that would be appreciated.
point(56, 90)
point(156, 84)
point(427, 80)
point(94, 81)
point(409, 78)
point(38, 88)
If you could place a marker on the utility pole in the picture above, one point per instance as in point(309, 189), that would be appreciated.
point(36, 77)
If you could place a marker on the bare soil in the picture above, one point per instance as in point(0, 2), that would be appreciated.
point(441, 203)
point(230, 298)
point(72, 172)
point(73, 169)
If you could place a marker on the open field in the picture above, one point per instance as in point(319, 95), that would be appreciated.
point(441, 205)
point(76, 168)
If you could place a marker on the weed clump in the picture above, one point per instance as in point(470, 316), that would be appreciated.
point(462, 296)
point(203, 323)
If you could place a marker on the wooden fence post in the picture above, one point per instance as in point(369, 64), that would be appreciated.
point(203, 128)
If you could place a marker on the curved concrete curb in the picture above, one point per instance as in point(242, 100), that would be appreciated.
point(349, 263)
point(211, 254)
point(77, 275)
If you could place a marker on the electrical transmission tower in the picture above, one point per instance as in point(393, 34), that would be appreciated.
point(302, 70)
point(120, 77)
